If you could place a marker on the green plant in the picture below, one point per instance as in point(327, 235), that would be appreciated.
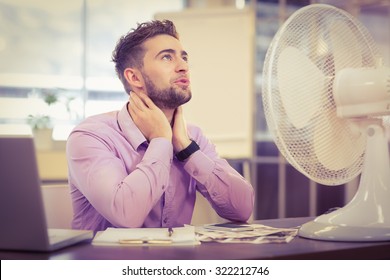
point(49, 97)
point(39, 121)
point(43, 121)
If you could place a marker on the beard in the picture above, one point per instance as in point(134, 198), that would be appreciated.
point(168, 98)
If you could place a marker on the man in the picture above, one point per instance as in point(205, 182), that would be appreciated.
point(142, 166)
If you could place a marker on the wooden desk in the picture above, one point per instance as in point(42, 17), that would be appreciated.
point(299, 248)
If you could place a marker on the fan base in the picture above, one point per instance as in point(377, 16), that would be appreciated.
point(331, 232)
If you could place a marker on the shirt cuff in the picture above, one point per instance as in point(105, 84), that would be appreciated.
point(199, 166)
point(160, 149)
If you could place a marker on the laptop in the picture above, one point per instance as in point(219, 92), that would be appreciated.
point(22, 213)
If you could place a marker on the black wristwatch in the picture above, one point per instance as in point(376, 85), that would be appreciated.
point(184, 154)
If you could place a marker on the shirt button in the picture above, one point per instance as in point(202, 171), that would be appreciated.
point(214, 194)
point(165, 220)
point(195, 173)
point(163, 187)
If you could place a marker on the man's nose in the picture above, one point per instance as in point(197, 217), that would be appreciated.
point(182, 65)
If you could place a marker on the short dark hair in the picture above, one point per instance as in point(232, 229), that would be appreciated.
point(129, 51)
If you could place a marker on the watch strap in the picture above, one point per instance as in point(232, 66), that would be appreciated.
point(187, 152)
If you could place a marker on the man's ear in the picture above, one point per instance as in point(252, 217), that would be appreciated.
point(133, 77)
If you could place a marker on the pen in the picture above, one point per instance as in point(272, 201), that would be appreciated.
point(145, 241)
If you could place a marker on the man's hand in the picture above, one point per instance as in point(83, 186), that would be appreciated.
point(148, 117)
point(180, 139)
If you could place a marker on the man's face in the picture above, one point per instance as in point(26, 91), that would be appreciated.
point(165, 72)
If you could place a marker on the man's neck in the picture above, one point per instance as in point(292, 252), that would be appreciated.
point(169, 113)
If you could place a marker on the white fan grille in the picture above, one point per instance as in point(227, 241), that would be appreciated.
point(300, 65)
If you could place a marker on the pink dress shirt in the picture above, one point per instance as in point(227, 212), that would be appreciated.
point(118, 179)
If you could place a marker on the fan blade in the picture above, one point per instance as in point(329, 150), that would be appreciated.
point(301, 88)
point(344, 138)
point(345, 46)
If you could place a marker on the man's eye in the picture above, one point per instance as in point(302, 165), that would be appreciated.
point(167, 57)
point(185, 58)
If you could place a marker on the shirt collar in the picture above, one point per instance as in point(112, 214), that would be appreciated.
point(131, 132)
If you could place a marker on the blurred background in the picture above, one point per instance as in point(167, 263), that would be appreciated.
point(56, 70)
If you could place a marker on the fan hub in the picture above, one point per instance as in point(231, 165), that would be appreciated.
point(361, 92)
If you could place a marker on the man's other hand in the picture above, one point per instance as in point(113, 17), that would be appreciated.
point(150, 120)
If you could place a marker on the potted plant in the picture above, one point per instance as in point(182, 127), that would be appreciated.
point(41, 124)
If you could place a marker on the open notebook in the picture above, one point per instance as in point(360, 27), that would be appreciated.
point(178, 236)
point(22, 216)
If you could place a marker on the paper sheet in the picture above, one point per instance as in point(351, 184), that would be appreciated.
point(259, 235)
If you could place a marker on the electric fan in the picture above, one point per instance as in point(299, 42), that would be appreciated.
point(326, 96)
